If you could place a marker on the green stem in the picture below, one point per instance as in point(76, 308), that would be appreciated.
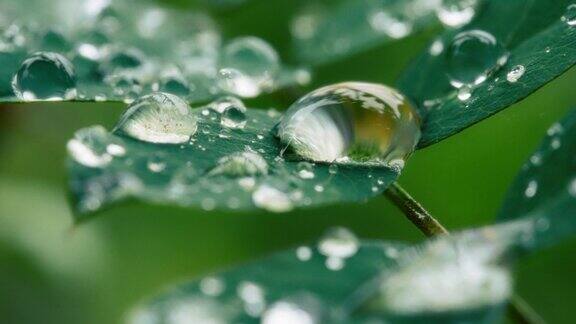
point(518, 309)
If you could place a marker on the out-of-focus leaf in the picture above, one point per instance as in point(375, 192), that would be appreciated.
point(536, 36)
point(119, 50)
point(545, 188)
point(221, 167)
point(327, 32)
point(464, 277)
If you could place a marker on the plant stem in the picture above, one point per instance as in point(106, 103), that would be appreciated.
point(518, 309)
point(419, 216)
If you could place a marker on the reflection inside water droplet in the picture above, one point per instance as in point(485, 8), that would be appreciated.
point(353, 121)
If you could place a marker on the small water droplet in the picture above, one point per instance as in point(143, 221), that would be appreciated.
point(304, 253)
point(338, 242)
point(156, 162)
point(89, 147)
point(212, 286)
point(395, 27)
point(158, 118)
point(455, 13)
point(319, 188)
point(569, 16)
point(45, 75)
point(531, 189)
point(247, 65)
point(286, 312)
point(241, 164)
point(234, 116)
point(354, 121)
point(472, 56)
point(437, 47)
point(253, 297)
point(333, 169)
point(464, 93)
point(516, 73)
point(271, 199)
point(305, 170)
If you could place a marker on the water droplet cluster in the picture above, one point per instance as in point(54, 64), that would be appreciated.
point(111, 50)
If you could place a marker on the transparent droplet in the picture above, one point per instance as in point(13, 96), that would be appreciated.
point(156, 162)
point(516, 73)
point(45, 75)
point(158, 118)
point(247, 64)
point(241, 165)
point(383, 22)
point(464, 93)
point(174, 83)
point(212, 286)
point(130, 59)
point(287, 312)
point(305, 170)
point(472, 56)
point(338, 242)
point(531, 189)
point(234, 116)
point(253, 297)
point(221, 104)
point(54, 41)
point(569, 16)
point(89, 147)
point(304, 253)
point(455, 13)
point(355, 121)
point(271, 199)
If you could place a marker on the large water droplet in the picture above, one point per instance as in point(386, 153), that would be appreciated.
point(472, 56)
point(241, 164)
point(45, 75)
point(454, 13)
point(351, 121)
point(158, 118)
point(247, 64)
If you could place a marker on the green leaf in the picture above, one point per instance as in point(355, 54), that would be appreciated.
point(119, 51)
point(545, 188)
point(295, 283)
point(221, 167)
point(449, 280)
point(535, 36)
point(326, 33)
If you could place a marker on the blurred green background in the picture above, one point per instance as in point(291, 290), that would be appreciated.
point(51, 272)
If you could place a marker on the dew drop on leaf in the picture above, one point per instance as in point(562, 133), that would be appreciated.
point(352, 121)
point(472, 56)
point(234, 116)
point(306, 170)
point(271, 199)
point(338, 242)
point(516, 73)
point(285, 312)
point(45, 75)
point(158, 118)
point(247, 64)
point(241, 165)
point(455, 13)
point(89, 147)
point(569, 16)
